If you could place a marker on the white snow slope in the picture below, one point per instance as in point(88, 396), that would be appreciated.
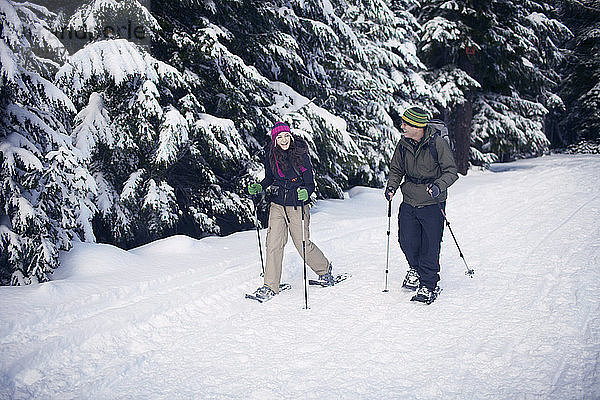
point(169, 320)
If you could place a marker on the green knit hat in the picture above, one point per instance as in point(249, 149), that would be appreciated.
point(415, 116)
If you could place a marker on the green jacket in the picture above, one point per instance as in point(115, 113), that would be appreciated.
point(420, 164)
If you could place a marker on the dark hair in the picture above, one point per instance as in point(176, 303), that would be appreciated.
point(292, 157)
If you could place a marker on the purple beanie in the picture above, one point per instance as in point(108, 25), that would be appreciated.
point(277, 129)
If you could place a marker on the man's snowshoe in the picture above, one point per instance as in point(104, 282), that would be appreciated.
point(424, 295)
point(411, 280)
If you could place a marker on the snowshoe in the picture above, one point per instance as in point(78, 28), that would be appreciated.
point(265, 293)
point(411, 280)
point(327, 279)
point(424, 295)
point(336, 279)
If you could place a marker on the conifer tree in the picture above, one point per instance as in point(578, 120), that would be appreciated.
point(354, 58)
point(511, 50)
point(145, 132)
point(581, 86)
point(46, 195)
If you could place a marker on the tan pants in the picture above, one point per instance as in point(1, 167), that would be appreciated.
point(277, 237)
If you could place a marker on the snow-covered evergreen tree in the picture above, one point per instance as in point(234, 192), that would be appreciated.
point(45, 192)
point(581, 86)
point(145, 135)
point(355, 58)
point(136, 142)
point(502, 57)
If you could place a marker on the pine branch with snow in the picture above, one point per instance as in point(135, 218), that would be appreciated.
point(27, 30)
point(93, 127)
point(507, 126)
point(97, 20)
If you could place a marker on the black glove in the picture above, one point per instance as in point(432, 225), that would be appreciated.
point(433, 190)
point(389, 193)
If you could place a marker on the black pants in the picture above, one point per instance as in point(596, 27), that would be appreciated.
point(420, 231)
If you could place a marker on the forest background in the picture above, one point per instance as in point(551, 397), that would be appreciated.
point(124, 122)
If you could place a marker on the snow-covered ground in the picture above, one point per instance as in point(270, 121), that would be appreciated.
point(169, 320)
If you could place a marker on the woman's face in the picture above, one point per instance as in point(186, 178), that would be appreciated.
point(283, 140)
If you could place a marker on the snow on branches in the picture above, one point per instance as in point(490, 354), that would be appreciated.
point(45, 191)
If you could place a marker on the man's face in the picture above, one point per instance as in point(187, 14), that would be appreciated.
point(411, 131)
point(403, 126)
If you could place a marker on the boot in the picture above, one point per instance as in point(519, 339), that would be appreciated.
point(411, 281)
point(327, 279)
point(264, 293)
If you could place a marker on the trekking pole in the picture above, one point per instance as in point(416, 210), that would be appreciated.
point(469, 271)
point(387, 257)
point(262, 263)
point(304, 260)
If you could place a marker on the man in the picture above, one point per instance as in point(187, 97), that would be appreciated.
point(424, 191)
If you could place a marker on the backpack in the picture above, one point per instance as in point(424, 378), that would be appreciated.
point(439, 129)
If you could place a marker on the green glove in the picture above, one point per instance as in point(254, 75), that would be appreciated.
point(254, 188)
point(302, 194)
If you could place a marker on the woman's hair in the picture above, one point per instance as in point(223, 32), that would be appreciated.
point(292, 157)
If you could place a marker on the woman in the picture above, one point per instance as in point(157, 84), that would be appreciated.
point(288, 168)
